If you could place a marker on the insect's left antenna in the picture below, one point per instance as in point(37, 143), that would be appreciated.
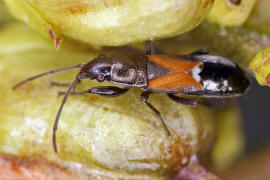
point(73, 84)
point(46, 73)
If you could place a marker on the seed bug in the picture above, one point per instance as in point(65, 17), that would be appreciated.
point(198, 74)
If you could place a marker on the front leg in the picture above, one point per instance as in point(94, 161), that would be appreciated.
point(60, 84)
point(106, 91)
point(184, 101)
point(144, 98)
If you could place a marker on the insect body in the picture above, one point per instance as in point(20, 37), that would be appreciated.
point(196, 74)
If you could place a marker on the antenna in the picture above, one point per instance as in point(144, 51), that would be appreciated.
point(60, 110)
point(46, 73)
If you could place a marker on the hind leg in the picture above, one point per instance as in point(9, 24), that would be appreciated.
point(184, 101)
point(144, 98)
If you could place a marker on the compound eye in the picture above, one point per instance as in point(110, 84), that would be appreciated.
point(106, 70)
point(100, 78)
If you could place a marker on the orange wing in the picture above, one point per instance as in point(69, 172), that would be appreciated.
point(175, 63)
point(174, 82)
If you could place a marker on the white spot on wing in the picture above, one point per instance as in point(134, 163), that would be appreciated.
point(197, 77)
point(196, 71)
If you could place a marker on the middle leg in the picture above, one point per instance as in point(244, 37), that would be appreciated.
point(184, 101)
point(144, 98)
point(106, 91)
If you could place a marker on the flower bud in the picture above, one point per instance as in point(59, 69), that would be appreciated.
point(230, 12)
point(110, 23)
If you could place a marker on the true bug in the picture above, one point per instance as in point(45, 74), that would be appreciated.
point(195, 74)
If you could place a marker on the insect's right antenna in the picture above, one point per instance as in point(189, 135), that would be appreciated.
point(46, 73)
point(60, 110)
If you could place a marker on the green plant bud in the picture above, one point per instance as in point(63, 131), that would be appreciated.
point(260, 65)
point(230, 12)
point(111, 137)
point(23, 11)
point(110, 22)
point(259, 20)
point(230, 137)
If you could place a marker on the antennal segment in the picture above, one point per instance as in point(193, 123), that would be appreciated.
point(46, 73)
point(60, 110)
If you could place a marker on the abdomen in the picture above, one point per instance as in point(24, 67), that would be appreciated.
point(200, 75)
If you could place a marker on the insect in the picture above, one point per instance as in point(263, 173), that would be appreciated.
point(196, 74)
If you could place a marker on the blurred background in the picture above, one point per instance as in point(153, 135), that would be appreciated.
point(256, 121)
point(254, 163)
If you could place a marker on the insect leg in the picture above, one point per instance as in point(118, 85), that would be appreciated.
point(183, 101)
point(147, 48)
point(200, 52)
point(58, 84)
point(144, 98)
point(61, 93)
point(107, 91)
point(53, 83)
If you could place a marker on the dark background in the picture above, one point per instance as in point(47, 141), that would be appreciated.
point(256, 116)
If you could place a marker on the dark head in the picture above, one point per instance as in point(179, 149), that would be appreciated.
point(99, 69)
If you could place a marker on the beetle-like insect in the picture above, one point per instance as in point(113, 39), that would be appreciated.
point(195, 74)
